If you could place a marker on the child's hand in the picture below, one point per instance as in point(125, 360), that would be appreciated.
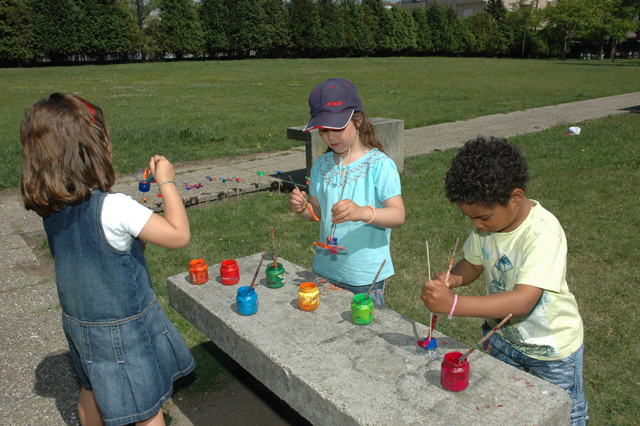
point(297, 200)
point(436, 295)
point(348, 211)
point(161, 169)
point(450, 283)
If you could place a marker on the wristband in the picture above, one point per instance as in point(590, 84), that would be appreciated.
point(374, 213)
point(455, 302)
point(166, 181)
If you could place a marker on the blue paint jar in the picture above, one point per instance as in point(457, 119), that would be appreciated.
point(247, 300)
point(144, 186)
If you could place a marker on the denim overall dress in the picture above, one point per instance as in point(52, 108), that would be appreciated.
point(123, 346)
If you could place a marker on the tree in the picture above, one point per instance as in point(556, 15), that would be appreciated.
point(565, 17)
point(277, 23)
point(496, 9)
point(332, 38)
point(108, 27)
point(381, 25)
point(55, 30)
point(424, 41)
point(180, 30)
point(358, 38)
point(248, 30)
point(14, 28)
point(609, 19)
point(521, 21)
point(304, 26)
point(487, 37)
point(499, 13)
point(405, 30)
point(146, 35)
point(214, 16)
point(447, 29)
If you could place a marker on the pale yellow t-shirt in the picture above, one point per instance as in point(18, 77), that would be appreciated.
point(534, 254)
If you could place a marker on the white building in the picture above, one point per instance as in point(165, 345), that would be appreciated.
point(464, 8)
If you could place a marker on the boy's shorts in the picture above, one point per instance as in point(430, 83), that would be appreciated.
point(565, 373)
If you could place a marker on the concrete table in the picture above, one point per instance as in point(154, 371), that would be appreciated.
point(334, 372)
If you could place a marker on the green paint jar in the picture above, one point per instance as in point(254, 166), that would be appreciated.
point(275, 275)
point(361, 309)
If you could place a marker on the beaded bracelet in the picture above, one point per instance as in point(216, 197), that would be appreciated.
point(166, 181)
point(455, 302)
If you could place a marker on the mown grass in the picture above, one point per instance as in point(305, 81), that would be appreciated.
point(199, 110)
point(590, 182)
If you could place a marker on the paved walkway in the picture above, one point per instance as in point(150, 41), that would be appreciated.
point(36, 377)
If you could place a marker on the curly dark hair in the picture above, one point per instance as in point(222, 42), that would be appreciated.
point(486, 171)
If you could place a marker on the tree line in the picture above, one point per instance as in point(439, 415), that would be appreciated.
point(59, 31)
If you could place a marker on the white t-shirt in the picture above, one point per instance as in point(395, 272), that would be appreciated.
point(534, 254)
point(122, 220)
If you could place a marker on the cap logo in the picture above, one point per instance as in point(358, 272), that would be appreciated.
point(334, 103)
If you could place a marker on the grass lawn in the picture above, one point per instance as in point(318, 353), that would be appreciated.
point(590, 182)
point(199, 110)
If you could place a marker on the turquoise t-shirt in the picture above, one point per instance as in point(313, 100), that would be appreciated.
point(370, 180)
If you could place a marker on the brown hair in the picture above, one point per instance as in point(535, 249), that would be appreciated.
point(66, 152)
point(365, 131)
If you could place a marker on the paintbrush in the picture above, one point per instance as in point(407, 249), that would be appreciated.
point(428, 339)
point(375, 280)
point(452, 258)
point(435, 316)
point(253, 281)
point(294, 183)
point(273, 241)
point(479, 344)
point(344, 181)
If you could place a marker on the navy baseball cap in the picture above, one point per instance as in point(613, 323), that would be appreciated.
point(332, 104)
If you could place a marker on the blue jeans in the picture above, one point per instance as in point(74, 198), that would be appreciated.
point(377, 294)
point(565, 373)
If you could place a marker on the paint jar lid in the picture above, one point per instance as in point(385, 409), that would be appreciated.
point(432, 344)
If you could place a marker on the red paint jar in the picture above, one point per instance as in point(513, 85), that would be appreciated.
point(454, 375)
point(229, 272)
point(198, 271)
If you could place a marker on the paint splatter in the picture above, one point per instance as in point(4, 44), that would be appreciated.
point(518, 379)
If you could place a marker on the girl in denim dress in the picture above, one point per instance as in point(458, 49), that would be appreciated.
point(125, 350)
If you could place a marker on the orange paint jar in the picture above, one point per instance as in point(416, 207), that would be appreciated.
point(229, 272)
point(198, 271)
point(308, 297)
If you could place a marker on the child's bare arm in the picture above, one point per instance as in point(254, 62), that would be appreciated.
point(391, 215)
point(171, 231)
point(521, 300)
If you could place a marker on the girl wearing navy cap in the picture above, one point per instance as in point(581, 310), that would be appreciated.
point(354, 189)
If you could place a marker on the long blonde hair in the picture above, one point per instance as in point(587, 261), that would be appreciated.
point(66, 152)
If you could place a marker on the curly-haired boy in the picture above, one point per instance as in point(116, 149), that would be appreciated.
point(522, 251)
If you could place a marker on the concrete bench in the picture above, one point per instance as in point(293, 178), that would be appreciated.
point(390, 132)
point(334, 372)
